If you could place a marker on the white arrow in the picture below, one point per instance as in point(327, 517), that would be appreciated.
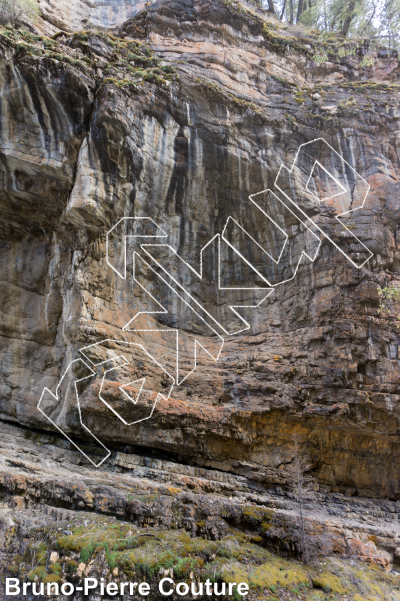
point(50, 402)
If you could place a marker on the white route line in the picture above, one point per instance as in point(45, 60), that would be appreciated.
point(148, 219)
point(93, 373)
point(55, 396)
point(337, 217)
point(160, 233)
point(303, 253)
point(199, 274)
point(276, 261)
point(196, 342)
point(330, 175)
point(126, 362)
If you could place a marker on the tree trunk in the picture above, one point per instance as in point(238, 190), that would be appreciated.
point(283, 9)
point(348, 19)
point(291, 12)
point(303, 534)
point(271, 7)
point(299, 10)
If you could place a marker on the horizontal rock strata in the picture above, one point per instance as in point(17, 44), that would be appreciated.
point(191, 109)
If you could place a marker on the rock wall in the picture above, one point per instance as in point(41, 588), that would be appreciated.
point(156, 493)
point(88, 136)
point(75, 15)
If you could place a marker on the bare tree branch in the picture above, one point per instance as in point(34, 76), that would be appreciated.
point(303, 484)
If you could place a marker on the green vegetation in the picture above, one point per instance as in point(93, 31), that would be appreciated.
point(237, 557)
point(367, 61)
point(320, 55)
point(129, 59)
point(55, 568)
point(329, 583)
point(324, 30)
point(14, 12)
point(71, 566)
point(281, 80)
point(366, 86)
point(389, 306)
point(39, 572)
point(373, 21)
point(51, 578)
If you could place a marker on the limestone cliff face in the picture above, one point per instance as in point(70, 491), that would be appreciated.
point(89, 137)
point(75, 15)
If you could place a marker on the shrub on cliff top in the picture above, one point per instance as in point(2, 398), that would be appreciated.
point(14, 12)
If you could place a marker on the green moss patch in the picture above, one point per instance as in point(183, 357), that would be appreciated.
point(236, 558)
point(328, 583)
point(51, 578)
point(282, 574)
